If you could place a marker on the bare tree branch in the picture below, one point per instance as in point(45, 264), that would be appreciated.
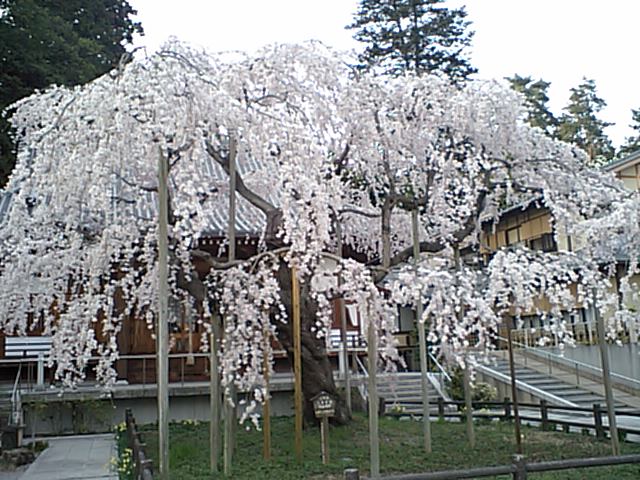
point(256, 200)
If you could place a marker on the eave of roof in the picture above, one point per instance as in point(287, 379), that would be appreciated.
point(625, 161)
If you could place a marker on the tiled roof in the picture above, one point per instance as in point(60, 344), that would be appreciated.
point(249, 220)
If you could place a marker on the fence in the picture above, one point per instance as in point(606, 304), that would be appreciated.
point(591, 417)
point(518, 468)
point(142, 465)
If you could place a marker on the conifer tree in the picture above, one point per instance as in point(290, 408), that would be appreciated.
point(581, 125)
point(632, 143)
point(421, 36)
point(44, 42)
point(536, 101)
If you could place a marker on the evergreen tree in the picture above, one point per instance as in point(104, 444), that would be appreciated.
point(536, 101)
point(581, 125)
point(421, 36)
point(64, 42)
point(632, 144)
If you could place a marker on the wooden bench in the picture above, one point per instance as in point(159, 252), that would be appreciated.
point(27, 347)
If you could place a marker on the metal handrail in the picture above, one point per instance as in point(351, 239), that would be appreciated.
point(362, 386)
point(16, 408)
point(562, 359)
point(526, 387)
point(439, 366)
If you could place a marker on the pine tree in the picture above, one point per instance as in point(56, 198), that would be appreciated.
point(632, 143)
point(64, 42)
point(536, 100)
point(581, 125)
point(420, 36)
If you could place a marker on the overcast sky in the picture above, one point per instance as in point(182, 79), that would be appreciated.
point(560, 41)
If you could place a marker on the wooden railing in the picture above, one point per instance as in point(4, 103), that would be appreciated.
point(141, 463)
point(518, 468)
point(591, 417)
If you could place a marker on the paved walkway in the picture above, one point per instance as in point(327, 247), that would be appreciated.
point(85, 457)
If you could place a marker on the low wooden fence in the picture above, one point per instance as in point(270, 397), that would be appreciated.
point(141, 463)
point(582, 417)
point(519, 469)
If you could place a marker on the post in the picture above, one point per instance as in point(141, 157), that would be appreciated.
point(466, 379)
point(426, 423)
point(214, 400)
point(468, 403)
point(440, 408)
point(521, 468)
point(507, 409)
point(324, 437)
point(606, 378)
point(229, 401)
point(297, 362)
point(163, 318)
point(351, 474)
point(597, 420)
point(514, 393)
point(343, 325)
point(40, 372)
point(374, 441)
point(544, 415)
point(266, 409)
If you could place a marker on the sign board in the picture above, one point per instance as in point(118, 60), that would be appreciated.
point(324, 405)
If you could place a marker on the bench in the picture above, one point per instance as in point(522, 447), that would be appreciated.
point(355, 340)
point(25, 347)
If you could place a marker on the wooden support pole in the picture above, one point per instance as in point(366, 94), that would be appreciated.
point(162, 331)
point(422, 340)
point(374, 441)
point(606, 379)
point(215, 403)
point(230, 400)
point(343, 325)
point(297, 362)
point(514, 392)
point(466, 379)
point(266, 408)
point(471, 435)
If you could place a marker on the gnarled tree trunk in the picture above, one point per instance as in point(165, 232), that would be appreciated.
point(317, 373)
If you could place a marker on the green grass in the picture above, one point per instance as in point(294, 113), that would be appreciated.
point(400, 450)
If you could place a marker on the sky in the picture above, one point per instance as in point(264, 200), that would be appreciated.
point(559, 41)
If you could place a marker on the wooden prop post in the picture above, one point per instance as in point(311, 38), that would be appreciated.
point(468, 404)
point(606, 379)
point(374, 441)
point(163, 319)
point(266, 408)
point(214, 391)
point(344, 351)
point(466, 378)
point(229, 403)
point(297, 362)
point(514, 391)
point(426, 423)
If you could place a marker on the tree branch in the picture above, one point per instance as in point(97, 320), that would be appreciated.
point(253, 198)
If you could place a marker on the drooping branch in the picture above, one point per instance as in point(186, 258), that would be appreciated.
point(436, 246)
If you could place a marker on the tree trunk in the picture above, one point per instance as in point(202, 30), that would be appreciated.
point(317, 373)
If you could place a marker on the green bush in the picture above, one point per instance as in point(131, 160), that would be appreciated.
point(480, 391)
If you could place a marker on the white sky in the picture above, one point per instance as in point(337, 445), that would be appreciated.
point(560, 41)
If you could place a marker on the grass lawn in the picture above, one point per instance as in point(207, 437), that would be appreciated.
point(400, 450)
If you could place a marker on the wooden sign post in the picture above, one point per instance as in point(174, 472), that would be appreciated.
point(324, 406)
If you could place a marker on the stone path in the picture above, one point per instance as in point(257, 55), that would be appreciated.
point(85, 457)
